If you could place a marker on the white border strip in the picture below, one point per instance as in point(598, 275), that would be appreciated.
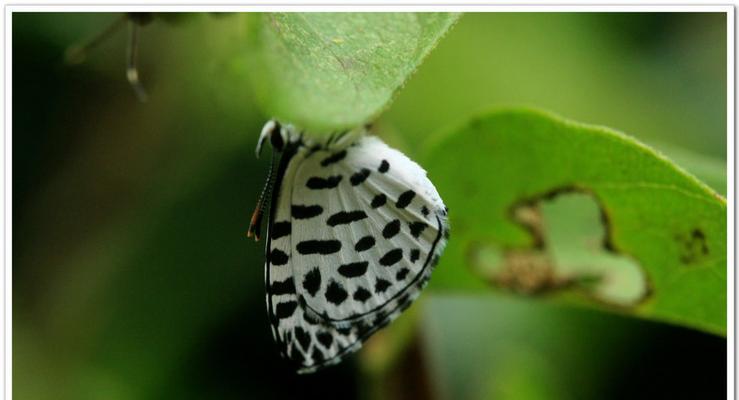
point(731, 202)
point(366, 6)
point(7, 217)
point(363, 7)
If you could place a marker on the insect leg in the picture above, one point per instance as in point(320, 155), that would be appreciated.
point(132, 72)
point(77, 54)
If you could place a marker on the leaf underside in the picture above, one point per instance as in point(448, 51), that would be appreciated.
point(330, 71)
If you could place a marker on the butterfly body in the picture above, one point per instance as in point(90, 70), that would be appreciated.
point(355, 229)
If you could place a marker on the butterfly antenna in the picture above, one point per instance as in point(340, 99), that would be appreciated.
point(132, 70)
point(256, 218)
point(76, 54)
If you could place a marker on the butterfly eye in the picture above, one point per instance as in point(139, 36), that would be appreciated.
point(276, 139)
point(273, 131)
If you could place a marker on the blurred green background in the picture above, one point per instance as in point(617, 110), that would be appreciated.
point(132, 275)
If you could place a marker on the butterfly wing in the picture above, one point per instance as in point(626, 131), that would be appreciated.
point(355, 234)
point(309, 344)
point(380, 224)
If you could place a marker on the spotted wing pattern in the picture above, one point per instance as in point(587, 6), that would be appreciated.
point(355, 233)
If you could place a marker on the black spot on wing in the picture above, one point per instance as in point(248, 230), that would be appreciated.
point(391, 229)
point(317, 355)
point(379, 200)
point(425, 211)
point(335, 293)
point(415, 255)
point(333, 158)
point(325, 339)
point(359, 176)
point(318, 247)
point(381, 285)
point(299, 358)
point(362, 327)
point(405, 198)
point(384, 166)
point(417, 228)
point(312, 281)
point(277, 257)
point(404, 301)
point(317, 183)
point(391, 257)
point(365, 243)
point(344, 217)
point(361, 294)
point(285, 310)
point(435, 260)
point(280, 229)
point(381, 321)
point(353, 270)
point(296, 355)
point(303, 337)
point(344, 330)
point(304, 212)
point(402, 274)
point(283, 287)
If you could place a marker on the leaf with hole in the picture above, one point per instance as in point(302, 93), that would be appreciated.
point(660, 233)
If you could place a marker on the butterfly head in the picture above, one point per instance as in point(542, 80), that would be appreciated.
point(278, 136)
point(276, 133)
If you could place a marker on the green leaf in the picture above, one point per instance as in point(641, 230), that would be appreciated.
point(710, 170)
point(325, 71)
point(501, 174)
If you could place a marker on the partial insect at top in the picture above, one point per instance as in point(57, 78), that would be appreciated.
point(77, 54)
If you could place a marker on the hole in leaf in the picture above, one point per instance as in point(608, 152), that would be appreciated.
point(693, 246)
point(570, 249)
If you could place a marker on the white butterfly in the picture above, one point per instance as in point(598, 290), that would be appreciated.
point(355, 229)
